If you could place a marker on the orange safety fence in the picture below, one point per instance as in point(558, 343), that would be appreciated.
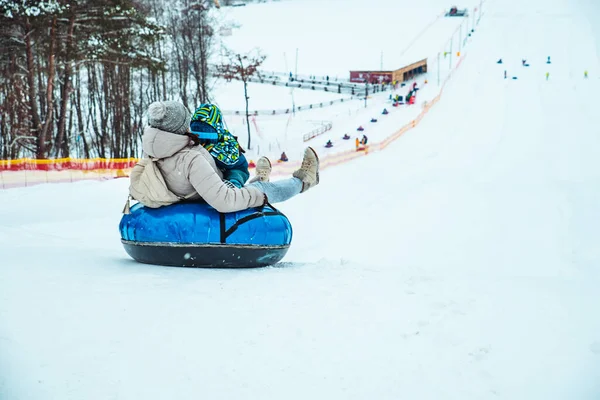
point(59, 164)
point(27, 172)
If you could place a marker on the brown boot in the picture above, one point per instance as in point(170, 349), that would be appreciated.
point(309, 171)
point(263, 170)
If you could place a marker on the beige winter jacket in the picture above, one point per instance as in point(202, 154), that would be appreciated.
point(188, 168)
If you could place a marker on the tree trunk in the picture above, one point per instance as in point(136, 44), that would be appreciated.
point(35, 115)
point(183, 71)
point(203, 76)
point(61, 143)
point(247, 116)
point(42, 151)
point(94, 113)
point(245, 80)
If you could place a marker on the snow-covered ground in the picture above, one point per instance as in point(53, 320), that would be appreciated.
point(460, 263)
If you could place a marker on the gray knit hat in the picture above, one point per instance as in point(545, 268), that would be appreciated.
point(169, 116)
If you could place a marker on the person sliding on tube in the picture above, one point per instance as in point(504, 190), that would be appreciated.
point(188, 167)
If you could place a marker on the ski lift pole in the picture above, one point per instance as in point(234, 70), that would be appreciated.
point(296, 71)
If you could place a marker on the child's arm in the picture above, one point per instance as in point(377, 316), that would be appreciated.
point(238, 173)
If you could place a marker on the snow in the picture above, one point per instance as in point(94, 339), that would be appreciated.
point(95, 41)
point(459, 263)
point(30, 10)
point(359, 31)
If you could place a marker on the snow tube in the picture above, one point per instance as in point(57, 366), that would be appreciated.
point(196, 235)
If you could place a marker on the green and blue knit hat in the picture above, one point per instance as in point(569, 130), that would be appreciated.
point(207, 122)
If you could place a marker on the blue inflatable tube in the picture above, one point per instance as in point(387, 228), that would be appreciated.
point(196, 235)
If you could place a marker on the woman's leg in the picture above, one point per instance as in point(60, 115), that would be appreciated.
point(281, 190)
point(303, 179)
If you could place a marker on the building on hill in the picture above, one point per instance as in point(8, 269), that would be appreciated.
point(399, 75)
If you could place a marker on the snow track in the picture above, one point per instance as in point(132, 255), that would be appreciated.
point(459, 263)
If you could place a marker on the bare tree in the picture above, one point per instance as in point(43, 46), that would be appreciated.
point(192, 35)
point(242, 67)
point(76, 76)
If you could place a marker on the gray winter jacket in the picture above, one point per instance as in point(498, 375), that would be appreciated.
point(188, 168)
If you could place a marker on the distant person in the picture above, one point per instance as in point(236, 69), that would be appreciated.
point(547, 75)
point(364, 140)
point(346, 136)
point(283, 157)
point(585, 74)
point(329, 144)
point(505, 76)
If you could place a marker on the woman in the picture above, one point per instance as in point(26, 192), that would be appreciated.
point(188, 168)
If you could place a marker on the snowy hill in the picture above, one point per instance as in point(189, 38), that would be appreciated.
point(394, 35)
point(459, 263)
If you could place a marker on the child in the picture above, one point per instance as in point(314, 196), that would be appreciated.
point(207, 125)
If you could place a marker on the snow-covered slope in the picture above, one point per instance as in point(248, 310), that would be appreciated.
point(459, 263)
point(333, 37)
